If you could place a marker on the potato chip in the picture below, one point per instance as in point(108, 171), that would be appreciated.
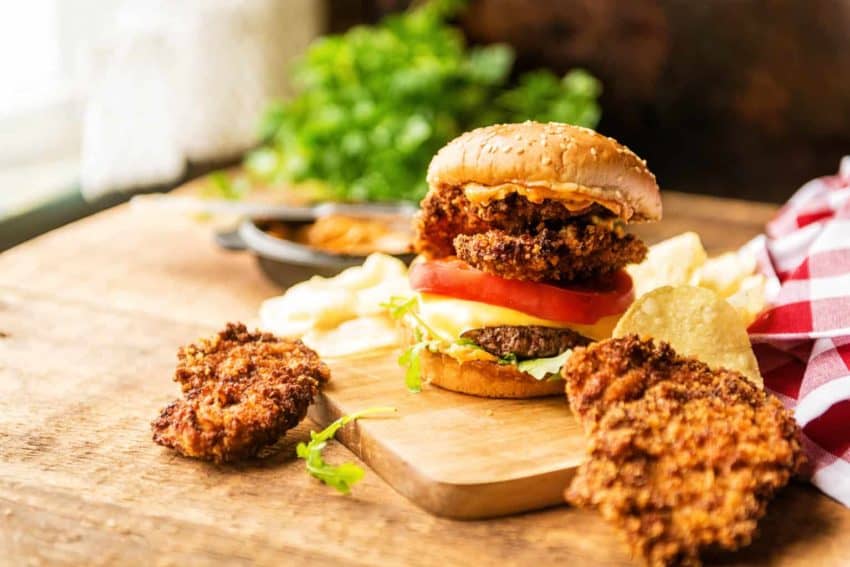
point(749, 299)
point(696, 322)
point(725, 273)
point(670, 262)
point(342, 315)
point(682, 260)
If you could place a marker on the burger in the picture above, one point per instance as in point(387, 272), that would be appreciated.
point(522, 244)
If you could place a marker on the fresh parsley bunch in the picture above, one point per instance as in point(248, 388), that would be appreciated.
point(376, 103)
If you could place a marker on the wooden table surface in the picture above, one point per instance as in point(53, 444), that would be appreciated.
point(90, 319)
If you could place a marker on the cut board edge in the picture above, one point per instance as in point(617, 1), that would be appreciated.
point(461, 501)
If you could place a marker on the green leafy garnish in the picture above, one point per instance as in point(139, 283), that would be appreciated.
point(411, 360)
point(376, 103)
point(542, 368)
point(505, 359)
point(426, 337)
point(399, 306)
point(343, 476)
point(220, 185)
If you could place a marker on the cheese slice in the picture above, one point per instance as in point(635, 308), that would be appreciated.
point(451, 317)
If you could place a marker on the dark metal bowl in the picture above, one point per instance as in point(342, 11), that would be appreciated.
point(286, 262)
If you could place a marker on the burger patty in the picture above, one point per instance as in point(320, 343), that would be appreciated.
point(532, 341)
point(575, 252)
point(446, 214)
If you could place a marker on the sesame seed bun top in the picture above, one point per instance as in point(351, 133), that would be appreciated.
point(570, 164)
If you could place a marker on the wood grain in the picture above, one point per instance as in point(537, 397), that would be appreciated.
point(480, 457)
point(90, 318)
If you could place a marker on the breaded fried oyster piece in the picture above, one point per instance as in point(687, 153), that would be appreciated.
point(242, 391)
point(682, 458)
point(575, 252)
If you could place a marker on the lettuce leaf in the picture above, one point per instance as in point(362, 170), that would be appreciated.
point(544, 368)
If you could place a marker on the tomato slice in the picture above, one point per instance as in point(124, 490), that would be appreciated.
point(581, 305)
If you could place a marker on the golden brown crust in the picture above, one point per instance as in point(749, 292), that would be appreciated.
point(484, 378)
point(242, 391)
point(574, 253)
point(682, 458)
point(556, 161)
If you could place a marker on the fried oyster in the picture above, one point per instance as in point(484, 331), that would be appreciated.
point(517, 239)
point(682, 458)
point(242, 391)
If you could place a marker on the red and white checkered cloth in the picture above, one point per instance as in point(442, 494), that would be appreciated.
point(802, 341)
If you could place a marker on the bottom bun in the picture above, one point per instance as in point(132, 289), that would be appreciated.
point(485, 378)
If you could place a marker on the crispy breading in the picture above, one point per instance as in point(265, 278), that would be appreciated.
point(682, 458)
point(444, 215)
point(447, 213)
point(242, 391)
point(576, 252)
point(518, 239)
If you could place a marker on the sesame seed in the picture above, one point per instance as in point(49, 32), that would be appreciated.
point(520, 151)
point(545, 160)
point(593, 152)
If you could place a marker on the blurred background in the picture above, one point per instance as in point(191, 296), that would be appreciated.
point(743, 98)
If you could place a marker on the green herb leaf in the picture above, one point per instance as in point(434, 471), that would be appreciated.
point(343, 476)
point(509, 358)
point(490, 64)
point(399, 306)
point(413, 374)
point(543, 368)
point(220, 185)
point(411, 360)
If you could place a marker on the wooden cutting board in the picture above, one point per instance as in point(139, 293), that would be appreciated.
point(454, 455)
